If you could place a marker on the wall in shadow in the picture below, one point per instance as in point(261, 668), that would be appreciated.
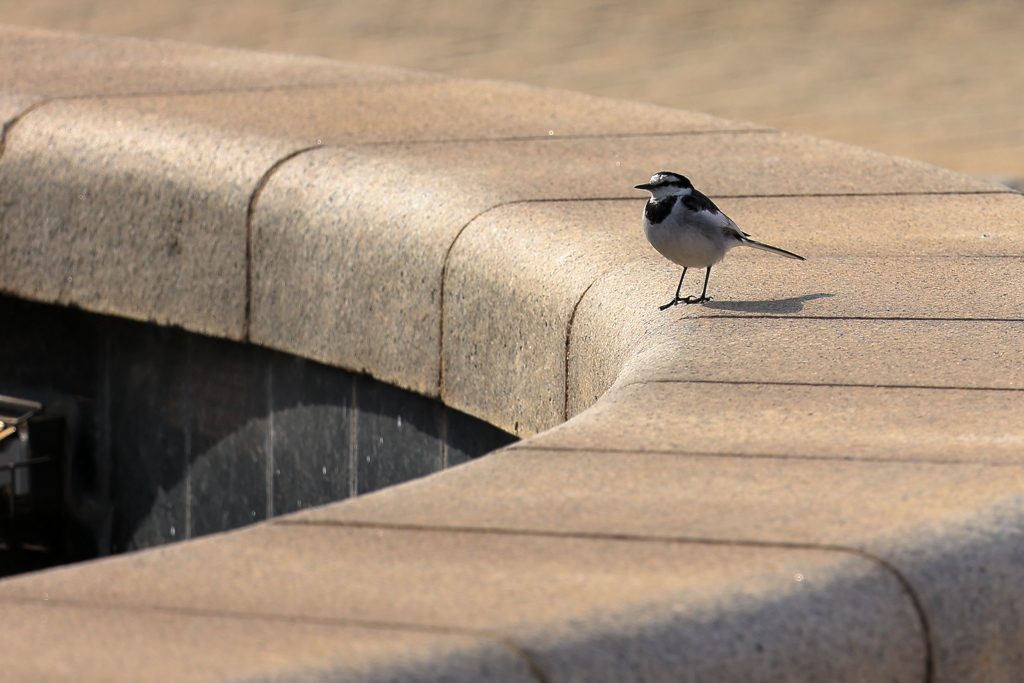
point(180, 435)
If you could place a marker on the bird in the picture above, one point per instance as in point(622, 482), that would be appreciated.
point(686, 227)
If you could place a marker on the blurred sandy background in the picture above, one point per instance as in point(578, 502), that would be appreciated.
point(941, 81)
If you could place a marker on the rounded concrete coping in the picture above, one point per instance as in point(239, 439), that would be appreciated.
point(815, 476)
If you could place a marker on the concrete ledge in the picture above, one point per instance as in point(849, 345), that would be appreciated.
point(583, 608)
point(93, 643)
point(814, 477)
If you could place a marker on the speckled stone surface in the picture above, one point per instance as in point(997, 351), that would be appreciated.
point(107, 643)
point(506, 320)
point(772, 163)
point(583, 608)
point(812, 477)
point(413, 106)
point(381, 312)
point(131, 214)
point(403, 206)
point(802, 420)
point(931, 305)
point(49, 65)
point(950, 529)
point(921, 353)
point(940, 83)
point(170, 217)
point(565, 265)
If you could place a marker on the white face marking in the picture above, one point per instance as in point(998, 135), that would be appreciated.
point(666, 190)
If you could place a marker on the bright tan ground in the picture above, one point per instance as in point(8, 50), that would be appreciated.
point(940, 81)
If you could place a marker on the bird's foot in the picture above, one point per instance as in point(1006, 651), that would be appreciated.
point(672, 303)
point(685, 300)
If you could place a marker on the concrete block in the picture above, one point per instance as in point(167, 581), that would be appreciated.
point(847, 320)
point(415, 106)
point(583, 608)
point(14, 104)
point(516, 273)
point(348, 250)
point(829, 500)
point(512, 283)
point(93, 643)
point(133, 215)
point(919, 353)
point(402, 206)
point(47, 65)
point(718, 163)
point(750, 283)
point(952, 530)
point(879, 423)
point(923, 354)
point(875, 226)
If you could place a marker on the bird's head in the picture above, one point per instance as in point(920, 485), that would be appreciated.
point(667, 183)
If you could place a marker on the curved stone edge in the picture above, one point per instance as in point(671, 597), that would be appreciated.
point(900, 175)
point(572, 606)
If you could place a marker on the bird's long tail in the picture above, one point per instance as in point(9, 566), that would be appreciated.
point(774, 250)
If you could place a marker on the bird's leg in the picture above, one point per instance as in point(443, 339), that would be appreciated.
point(704, 293)
point(675, 299)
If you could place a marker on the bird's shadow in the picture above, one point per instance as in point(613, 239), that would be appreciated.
point(776, 306)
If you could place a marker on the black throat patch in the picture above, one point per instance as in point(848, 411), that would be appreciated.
point(658, 210)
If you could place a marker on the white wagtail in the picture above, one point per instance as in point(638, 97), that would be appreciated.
point(687, 228)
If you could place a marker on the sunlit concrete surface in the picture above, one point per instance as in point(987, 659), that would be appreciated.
point(938, 81)
point(814, 477)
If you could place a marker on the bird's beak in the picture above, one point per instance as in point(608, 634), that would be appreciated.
point(645, 186)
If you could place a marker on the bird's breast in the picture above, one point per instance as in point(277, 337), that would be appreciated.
point(687, 246)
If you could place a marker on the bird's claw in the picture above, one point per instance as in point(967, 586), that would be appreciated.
point(685, 300)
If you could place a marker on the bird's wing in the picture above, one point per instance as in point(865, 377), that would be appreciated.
point(706, 214)
point(733, 231)
point(697, 201)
